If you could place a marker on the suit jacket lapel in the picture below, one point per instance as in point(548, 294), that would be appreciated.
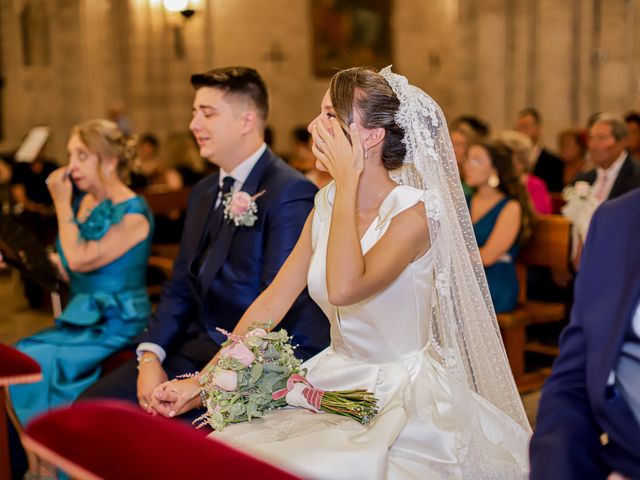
point(222, 243)
point(201, 224)
point(621, 180)
point(626, 298)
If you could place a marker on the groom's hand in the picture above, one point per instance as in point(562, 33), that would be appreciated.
point(150, 375)
point(176, 397)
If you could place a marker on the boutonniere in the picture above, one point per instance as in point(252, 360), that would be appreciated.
point(240, 208)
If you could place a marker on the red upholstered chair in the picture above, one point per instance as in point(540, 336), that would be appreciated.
point(15, 368)
point(114, 440)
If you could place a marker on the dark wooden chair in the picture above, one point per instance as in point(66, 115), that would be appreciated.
point(549, 246)
point(169, 204)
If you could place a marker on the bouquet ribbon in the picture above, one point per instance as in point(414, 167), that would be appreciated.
point(300, 393)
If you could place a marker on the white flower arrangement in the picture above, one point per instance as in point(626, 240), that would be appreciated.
point(581, 203)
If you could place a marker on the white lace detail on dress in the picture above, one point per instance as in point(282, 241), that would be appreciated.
point(463, 326)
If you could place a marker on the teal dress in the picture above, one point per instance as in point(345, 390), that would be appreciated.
point(108, 308)
point(501, 276)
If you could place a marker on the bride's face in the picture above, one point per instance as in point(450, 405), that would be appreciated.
point(326, 112)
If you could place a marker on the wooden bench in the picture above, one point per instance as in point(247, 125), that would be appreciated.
point(548, 246)
point(170, 204)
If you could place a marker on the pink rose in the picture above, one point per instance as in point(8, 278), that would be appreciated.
point(240, 203)
point(240, 352)
point(257, 332)
point(226, 379)
point(582, 188)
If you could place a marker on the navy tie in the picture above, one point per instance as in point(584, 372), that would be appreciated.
point(215, 222)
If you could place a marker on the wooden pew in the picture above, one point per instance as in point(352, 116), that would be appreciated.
point(548, 246)
point(171, 204)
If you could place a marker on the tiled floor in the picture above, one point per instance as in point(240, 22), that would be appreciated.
point(18, 320)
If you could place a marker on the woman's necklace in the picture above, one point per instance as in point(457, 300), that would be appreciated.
point(383, 192)
point(380, 194)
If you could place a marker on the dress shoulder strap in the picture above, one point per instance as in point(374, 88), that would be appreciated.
point(399, 199)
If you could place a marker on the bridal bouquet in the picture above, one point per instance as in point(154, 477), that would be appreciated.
point(258, 372)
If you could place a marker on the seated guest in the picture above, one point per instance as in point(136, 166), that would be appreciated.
point(104, 239)
point(632, 119)
point(615, 172)
point(180, 166)
point(226, 258)
point(35, 211)
point(304, 160)
point(144, 172)
point(480, 128)
point(183, 161)
point(521, 146)
point(572, 144)
point(461, 136)
point(589, 416)
point(542, 163)
point(501, 215)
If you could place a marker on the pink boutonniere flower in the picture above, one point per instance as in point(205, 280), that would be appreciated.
point(240, 208)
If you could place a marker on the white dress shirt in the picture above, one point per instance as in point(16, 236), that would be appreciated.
point(240, 175)
point(606, 178)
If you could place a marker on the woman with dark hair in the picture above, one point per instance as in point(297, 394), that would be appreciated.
point(104, 240)
point(572, 145)
point(502, 217)
point(388, 254)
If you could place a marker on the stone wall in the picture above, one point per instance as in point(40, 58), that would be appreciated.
point(490, 57)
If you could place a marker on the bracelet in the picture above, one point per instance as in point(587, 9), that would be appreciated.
point(203, 397)
point(142, 361)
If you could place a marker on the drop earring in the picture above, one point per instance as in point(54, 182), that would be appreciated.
point(366, 151)
point(493, 181)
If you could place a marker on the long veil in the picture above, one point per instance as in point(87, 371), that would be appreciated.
point(464, 332)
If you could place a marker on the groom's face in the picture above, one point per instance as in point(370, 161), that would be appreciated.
point(217, 124)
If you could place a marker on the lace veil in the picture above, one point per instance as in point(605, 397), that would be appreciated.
point(464, 331)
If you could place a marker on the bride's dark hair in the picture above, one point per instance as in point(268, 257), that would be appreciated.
point(363, 88)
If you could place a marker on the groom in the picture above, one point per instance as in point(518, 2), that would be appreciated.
point(222, 267)
point(589, 415)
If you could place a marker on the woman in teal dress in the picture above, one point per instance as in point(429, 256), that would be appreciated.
point(502, 217)
point(103, 246)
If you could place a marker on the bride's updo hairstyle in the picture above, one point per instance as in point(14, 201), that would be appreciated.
point(105, 139)
point(364, 89)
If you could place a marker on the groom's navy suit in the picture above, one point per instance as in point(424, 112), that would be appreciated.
point(586, 428)
point(241, 263)
point(215, 281)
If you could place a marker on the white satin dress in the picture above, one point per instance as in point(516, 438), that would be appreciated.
point(380, 344)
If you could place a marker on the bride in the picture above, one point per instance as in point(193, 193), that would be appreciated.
point(390, 256)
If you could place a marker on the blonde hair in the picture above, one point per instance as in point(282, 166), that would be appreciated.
point(520, 145)
point(105, 139)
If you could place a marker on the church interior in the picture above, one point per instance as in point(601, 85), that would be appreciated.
point(553, 78)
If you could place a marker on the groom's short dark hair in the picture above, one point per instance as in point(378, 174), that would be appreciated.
point(239, 81)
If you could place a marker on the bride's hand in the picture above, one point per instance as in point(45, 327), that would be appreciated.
point(343, 160)
point(176, 397)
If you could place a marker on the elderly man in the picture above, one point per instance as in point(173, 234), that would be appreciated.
point(615, 172)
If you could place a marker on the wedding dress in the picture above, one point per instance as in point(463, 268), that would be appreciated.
point(430, 425)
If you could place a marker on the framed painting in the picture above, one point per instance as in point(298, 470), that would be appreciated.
point(348, 33)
